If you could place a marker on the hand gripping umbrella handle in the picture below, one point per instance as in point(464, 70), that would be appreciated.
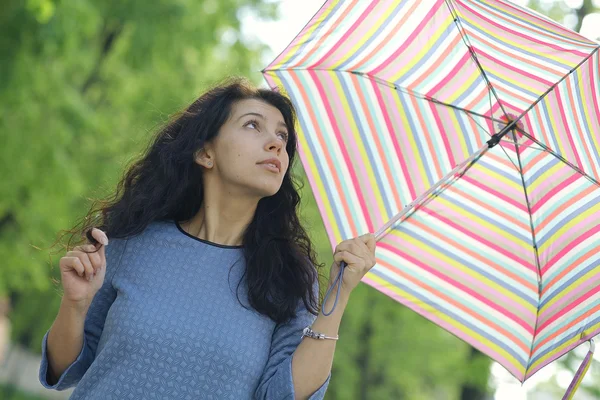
point(585, 365)
point(338, 281)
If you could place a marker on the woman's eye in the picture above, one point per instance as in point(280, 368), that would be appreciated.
point(252, 124)
point(284, 136)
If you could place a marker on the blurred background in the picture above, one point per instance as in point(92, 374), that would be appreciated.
point(84, 84)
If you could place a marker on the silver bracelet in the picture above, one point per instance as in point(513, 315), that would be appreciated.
point(308, 332)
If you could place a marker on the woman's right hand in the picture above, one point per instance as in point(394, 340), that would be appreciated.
point(82, 272)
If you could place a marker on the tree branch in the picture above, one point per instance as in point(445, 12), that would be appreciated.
point(109, 36)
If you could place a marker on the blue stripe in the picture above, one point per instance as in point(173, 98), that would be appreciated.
point(307, 127)
point(548, 234)
point(527, 22)
point(531, 178)
point(564, 340)
point(427, 57)
point(440, 308)
point(375, 36)
point(579, 104)
point(526, 239)
point(475, 268)
point(548, 332)
point(315, 34)
point(502, 172)
point(462, 300)
point(363, 135)
point(381, 130)
point(418, 138)
point(568, 283)
point(514, 48)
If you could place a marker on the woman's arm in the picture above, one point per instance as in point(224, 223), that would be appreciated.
point(312, 360)
point(65, 339)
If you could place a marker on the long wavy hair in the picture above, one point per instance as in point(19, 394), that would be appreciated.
point(165, 184)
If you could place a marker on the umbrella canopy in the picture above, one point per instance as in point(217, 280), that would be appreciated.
point(467, 135)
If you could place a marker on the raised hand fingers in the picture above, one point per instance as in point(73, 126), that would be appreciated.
point(74, 263)
point(100, 236)
point(369, 240)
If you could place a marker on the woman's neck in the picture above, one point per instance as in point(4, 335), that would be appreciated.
point(221, 221)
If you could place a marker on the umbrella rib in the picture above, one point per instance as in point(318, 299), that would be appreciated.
point(392, 85)
point(535, 248)
point(467, 42)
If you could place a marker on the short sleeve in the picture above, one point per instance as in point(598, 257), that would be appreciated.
point(276, 381)
point(93, 325)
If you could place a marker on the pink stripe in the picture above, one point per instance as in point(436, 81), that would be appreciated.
point(519, 205)
point(348, 33)
point(295, 44)
point(393, 135)
point(417, 31)
point(514, 69)
point(565, 127)
point(510, 365)
point(565, 308)
point(594, 90)
point(540, 202)
point(574, 241)
point(426, 260)
point(311, 121)
point(565, 33)
point(481, 240)
point(450, 76)
point(471, 225)
point(398, 114)
point(442, 132)
point(559, 354)
point(348, 141)
point(505, 29)
point(347, 161)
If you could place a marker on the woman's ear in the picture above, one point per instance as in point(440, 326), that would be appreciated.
point(204, 158)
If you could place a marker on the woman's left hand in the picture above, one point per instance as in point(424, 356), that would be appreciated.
point(359, 255)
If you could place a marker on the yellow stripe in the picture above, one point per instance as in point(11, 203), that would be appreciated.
point(586, 109)
point(495, 176)
point(571, 287)
point(358, 140)
point(292, 50)
point(467, 271)
point(366, 36)
point(532, 22)
point(555, 128)
point(414, 148)
point(461, 138)
point(545, 177)
point(468, 81)
point(578, 382)
point(567, 226)
point(486, 224)
point(408, 298)
point(425, 47)
point(518, 80)
point(520, 45)
point(560, 349)
point(312, 169)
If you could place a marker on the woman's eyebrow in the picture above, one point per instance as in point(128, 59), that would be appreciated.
point(261, 116)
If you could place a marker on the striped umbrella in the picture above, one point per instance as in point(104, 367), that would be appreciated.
point(466, 134)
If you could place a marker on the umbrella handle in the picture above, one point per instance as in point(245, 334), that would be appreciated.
point(338, 282)
point(585, 365)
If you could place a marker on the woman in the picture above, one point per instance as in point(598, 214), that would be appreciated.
point(209, 280)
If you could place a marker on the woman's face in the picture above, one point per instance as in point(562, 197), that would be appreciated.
point(249, 154)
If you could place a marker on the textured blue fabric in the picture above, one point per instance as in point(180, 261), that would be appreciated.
point(167, 324)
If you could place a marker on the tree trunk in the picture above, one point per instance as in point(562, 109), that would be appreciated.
point(468, 390)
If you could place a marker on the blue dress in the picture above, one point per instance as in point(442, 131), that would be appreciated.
point(168, 324)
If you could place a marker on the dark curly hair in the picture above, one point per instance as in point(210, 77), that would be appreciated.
point(165, 184)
